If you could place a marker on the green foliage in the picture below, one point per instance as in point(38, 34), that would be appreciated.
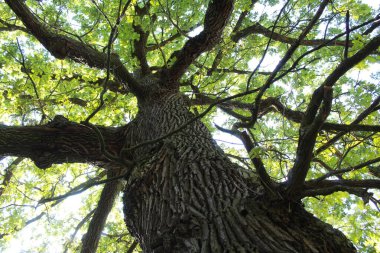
point(34, 92)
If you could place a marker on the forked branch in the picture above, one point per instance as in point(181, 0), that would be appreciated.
point(315, 116)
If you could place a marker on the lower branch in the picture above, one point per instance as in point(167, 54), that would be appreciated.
point(107, 198)
point(60, 141)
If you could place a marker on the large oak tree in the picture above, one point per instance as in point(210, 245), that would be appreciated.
point(135, 90)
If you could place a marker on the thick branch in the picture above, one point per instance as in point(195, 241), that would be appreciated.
point(315, 115)
point(61, 46)
point(58, 142)
point(217, 15)
point(140, 44)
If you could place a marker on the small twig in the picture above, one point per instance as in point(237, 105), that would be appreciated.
point(125, 175)
point(31, 79)
point(132, 247)
point(111, 39)
point(341, 171)
point(80, 224)
point(267, 46)
point(159, 48)
point(347, 34)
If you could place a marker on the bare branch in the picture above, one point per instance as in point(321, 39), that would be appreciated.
point(132, 247)
point(312, 121)
point(75, 190)
point(280, 65)
point(80, 224)
point(328, 184)
point(266, 181)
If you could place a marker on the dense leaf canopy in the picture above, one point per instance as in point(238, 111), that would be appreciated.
point(275, 57)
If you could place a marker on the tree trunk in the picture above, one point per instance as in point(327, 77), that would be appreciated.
point(184, 195)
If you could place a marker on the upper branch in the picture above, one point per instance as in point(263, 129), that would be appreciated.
point(140, 44)
point(60, 141)
point(61, 46)
point(316, 114)
point(259, 29)
point(216, 18)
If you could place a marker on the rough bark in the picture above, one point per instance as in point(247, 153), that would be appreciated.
point(60, 141)
point(184, 195)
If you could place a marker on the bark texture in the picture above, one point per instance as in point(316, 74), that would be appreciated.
point(184, 195)
point(60, 141)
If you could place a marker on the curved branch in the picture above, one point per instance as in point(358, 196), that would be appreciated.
point(217, 15)
point(61, 46)
point(267, 182)
point(259, 29)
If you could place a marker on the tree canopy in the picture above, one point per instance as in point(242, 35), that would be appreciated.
point(289, 89)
